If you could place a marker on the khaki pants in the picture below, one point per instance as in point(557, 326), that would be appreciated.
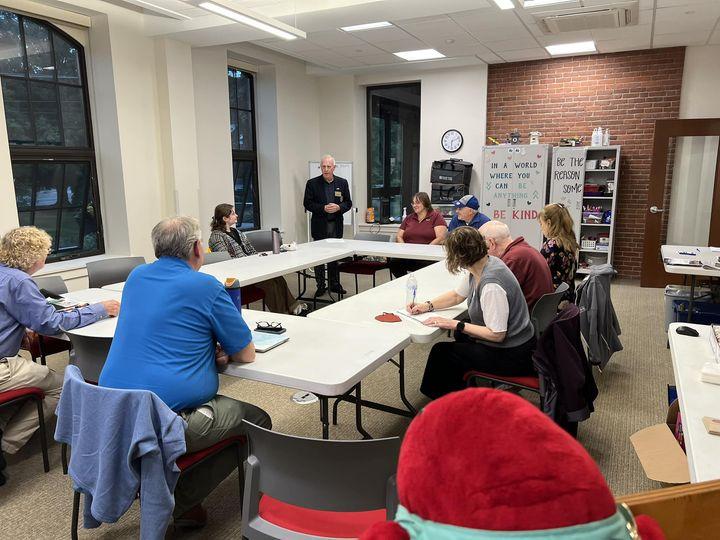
point(278, 297)
point(20, 422)
point(202, 432)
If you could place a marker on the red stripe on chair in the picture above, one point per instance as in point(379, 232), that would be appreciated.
point(187, 460)
point(9, 395)
point(530, 382)
point(318, 522)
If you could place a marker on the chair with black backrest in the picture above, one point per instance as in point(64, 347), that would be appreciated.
point(42, 346)
point(109, 271)
point(360, 265)
point(261, 240)
point(213, 257)
point(543, 312)
point(298, 488)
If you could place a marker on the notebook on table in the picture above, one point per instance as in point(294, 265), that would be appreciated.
point(264, 341)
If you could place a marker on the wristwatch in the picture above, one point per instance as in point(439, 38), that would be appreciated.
point(460, 327)
point(430, 305)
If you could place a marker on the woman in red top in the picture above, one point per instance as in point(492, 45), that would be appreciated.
point(423, 226)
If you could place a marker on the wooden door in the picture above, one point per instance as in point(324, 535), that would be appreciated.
point(657, 208)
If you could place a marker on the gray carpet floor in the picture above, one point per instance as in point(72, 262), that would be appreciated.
point(35, 505)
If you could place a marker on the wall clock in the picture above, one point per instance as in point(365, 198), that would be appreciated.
point(452, 140)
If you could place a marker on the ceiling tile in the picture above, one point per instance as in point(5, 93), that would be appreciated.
point(442, 41)
point(486, 35)
point(464, 49)
point(329, 58)
point(295, 45)
point(410, 44)
point(490, 58)
point(441, 27)
point(715, 38)
point(380, 59)
point(535, 53)
point(487, 19)
point(389, 33)
point(357, 50)
point(511, 45)
point(629, 32)
point(681, 38)
point(565, 37)
point(673, 20)
point(626, 44)
point(333, 38)
point(676, 3)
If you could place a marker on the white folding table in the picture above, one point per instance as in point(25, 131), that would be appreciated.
point(708, 257)
point(310, 360)
point(389, 297)
point(697, 399)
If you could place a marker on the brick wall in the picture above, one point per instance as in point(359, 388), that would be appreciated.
point(625, 92)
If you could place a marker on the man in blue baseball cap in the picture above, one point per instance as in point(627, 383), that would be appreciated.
point(467, 213)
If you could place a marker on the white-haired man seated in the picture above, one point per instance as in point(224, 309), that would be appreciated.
point(526, 262)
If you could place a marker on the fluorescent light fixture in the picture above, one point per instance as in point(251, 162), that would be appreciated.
point(571, 48)
point(422, 54)
point(538, 3)
point(368, 26)
point(505, 4)
point(266, 24)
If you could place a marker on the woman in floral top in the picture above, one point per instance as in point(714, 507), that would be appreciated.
point(560, 246)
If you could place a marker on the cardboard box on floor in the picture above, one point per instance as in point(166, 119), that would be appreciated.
point(660, 454)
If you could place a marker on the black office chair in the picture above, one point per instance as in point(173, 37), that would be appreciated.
point(108, 271)
point(90, 355)
point(261, 240)
point(299, 488)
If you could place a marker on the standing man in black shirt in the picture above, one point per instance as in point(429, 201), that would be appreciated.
point(327, 197)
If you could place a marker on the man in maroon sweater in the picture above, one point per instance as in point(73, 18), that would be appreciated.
point(529, 267)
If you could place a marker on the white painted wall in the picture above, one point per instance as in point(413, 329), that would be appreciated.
point(701, 83)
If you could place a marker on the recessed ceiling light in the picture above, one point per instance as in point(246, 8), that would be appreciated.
point(449, 41)
point(367, 26)
point(505, 4)
point(571, 48)
point(422, 54)
point(537, 3)
point(266, 24)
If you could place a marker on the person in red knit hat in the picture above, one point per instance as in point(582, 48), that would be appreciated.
point(484, 464)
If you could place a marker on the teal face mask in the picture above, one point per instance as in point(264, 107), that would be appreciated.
point(620, 526)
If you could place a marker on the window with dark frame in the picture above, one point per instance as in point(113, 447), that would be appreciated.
point(244, 148)
point(44, 88)
point(393, 141)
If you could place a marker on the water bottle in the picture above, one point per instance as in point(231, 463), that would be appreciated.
point(606, 137)
point(276, 240)
point(404, 213)
point(411, 290)
point(232, 286)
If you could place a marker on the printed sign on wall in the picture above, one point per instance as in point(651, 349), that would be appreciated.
point(514, 183)
point(567, 178)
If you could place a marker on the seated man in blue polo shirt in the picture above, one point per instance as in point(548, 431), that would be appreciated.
point(173, 316)
point(467, 213)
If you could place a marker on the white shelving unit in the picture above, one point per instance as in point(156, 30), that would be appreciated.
point(606, 202)
point(568, 180)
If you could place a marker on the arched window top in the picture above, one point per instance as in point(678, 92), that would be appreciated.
point(43, 84)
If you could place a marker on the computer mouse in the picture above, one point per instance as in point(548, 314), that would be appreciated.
point(687, 331)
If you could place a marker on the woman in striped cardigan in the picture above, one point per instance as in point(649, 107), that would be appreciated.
point(225, 237)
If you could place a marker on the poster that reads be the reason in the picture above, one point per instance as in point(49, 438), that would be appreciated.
point(514, 184)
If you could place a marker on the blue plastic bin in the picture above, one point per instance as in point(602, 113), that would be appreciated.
point(703, 312)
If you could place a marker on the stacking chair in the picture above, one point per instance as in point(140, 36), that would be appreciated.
point(18, 397)
point(543, 312)
point(90, 355)
point(298, 488)
point(261, 240)
point(359, 265)
point(213, 257)
point(108, 271)
point(81, 461)
point(42, 346)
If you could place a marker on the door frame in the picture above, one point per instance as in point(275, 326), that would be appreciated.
point(652, 273)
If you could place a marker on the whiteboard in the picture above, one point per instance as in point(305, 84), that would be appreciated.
point(514, 183)
point(343, 169)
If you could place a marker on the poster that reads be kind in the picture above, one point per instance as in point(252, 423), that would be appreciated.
point(514, 183)
point(567, 178)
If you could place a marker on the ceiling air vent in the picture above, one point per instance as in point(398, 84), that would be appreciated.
point(588, 19)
